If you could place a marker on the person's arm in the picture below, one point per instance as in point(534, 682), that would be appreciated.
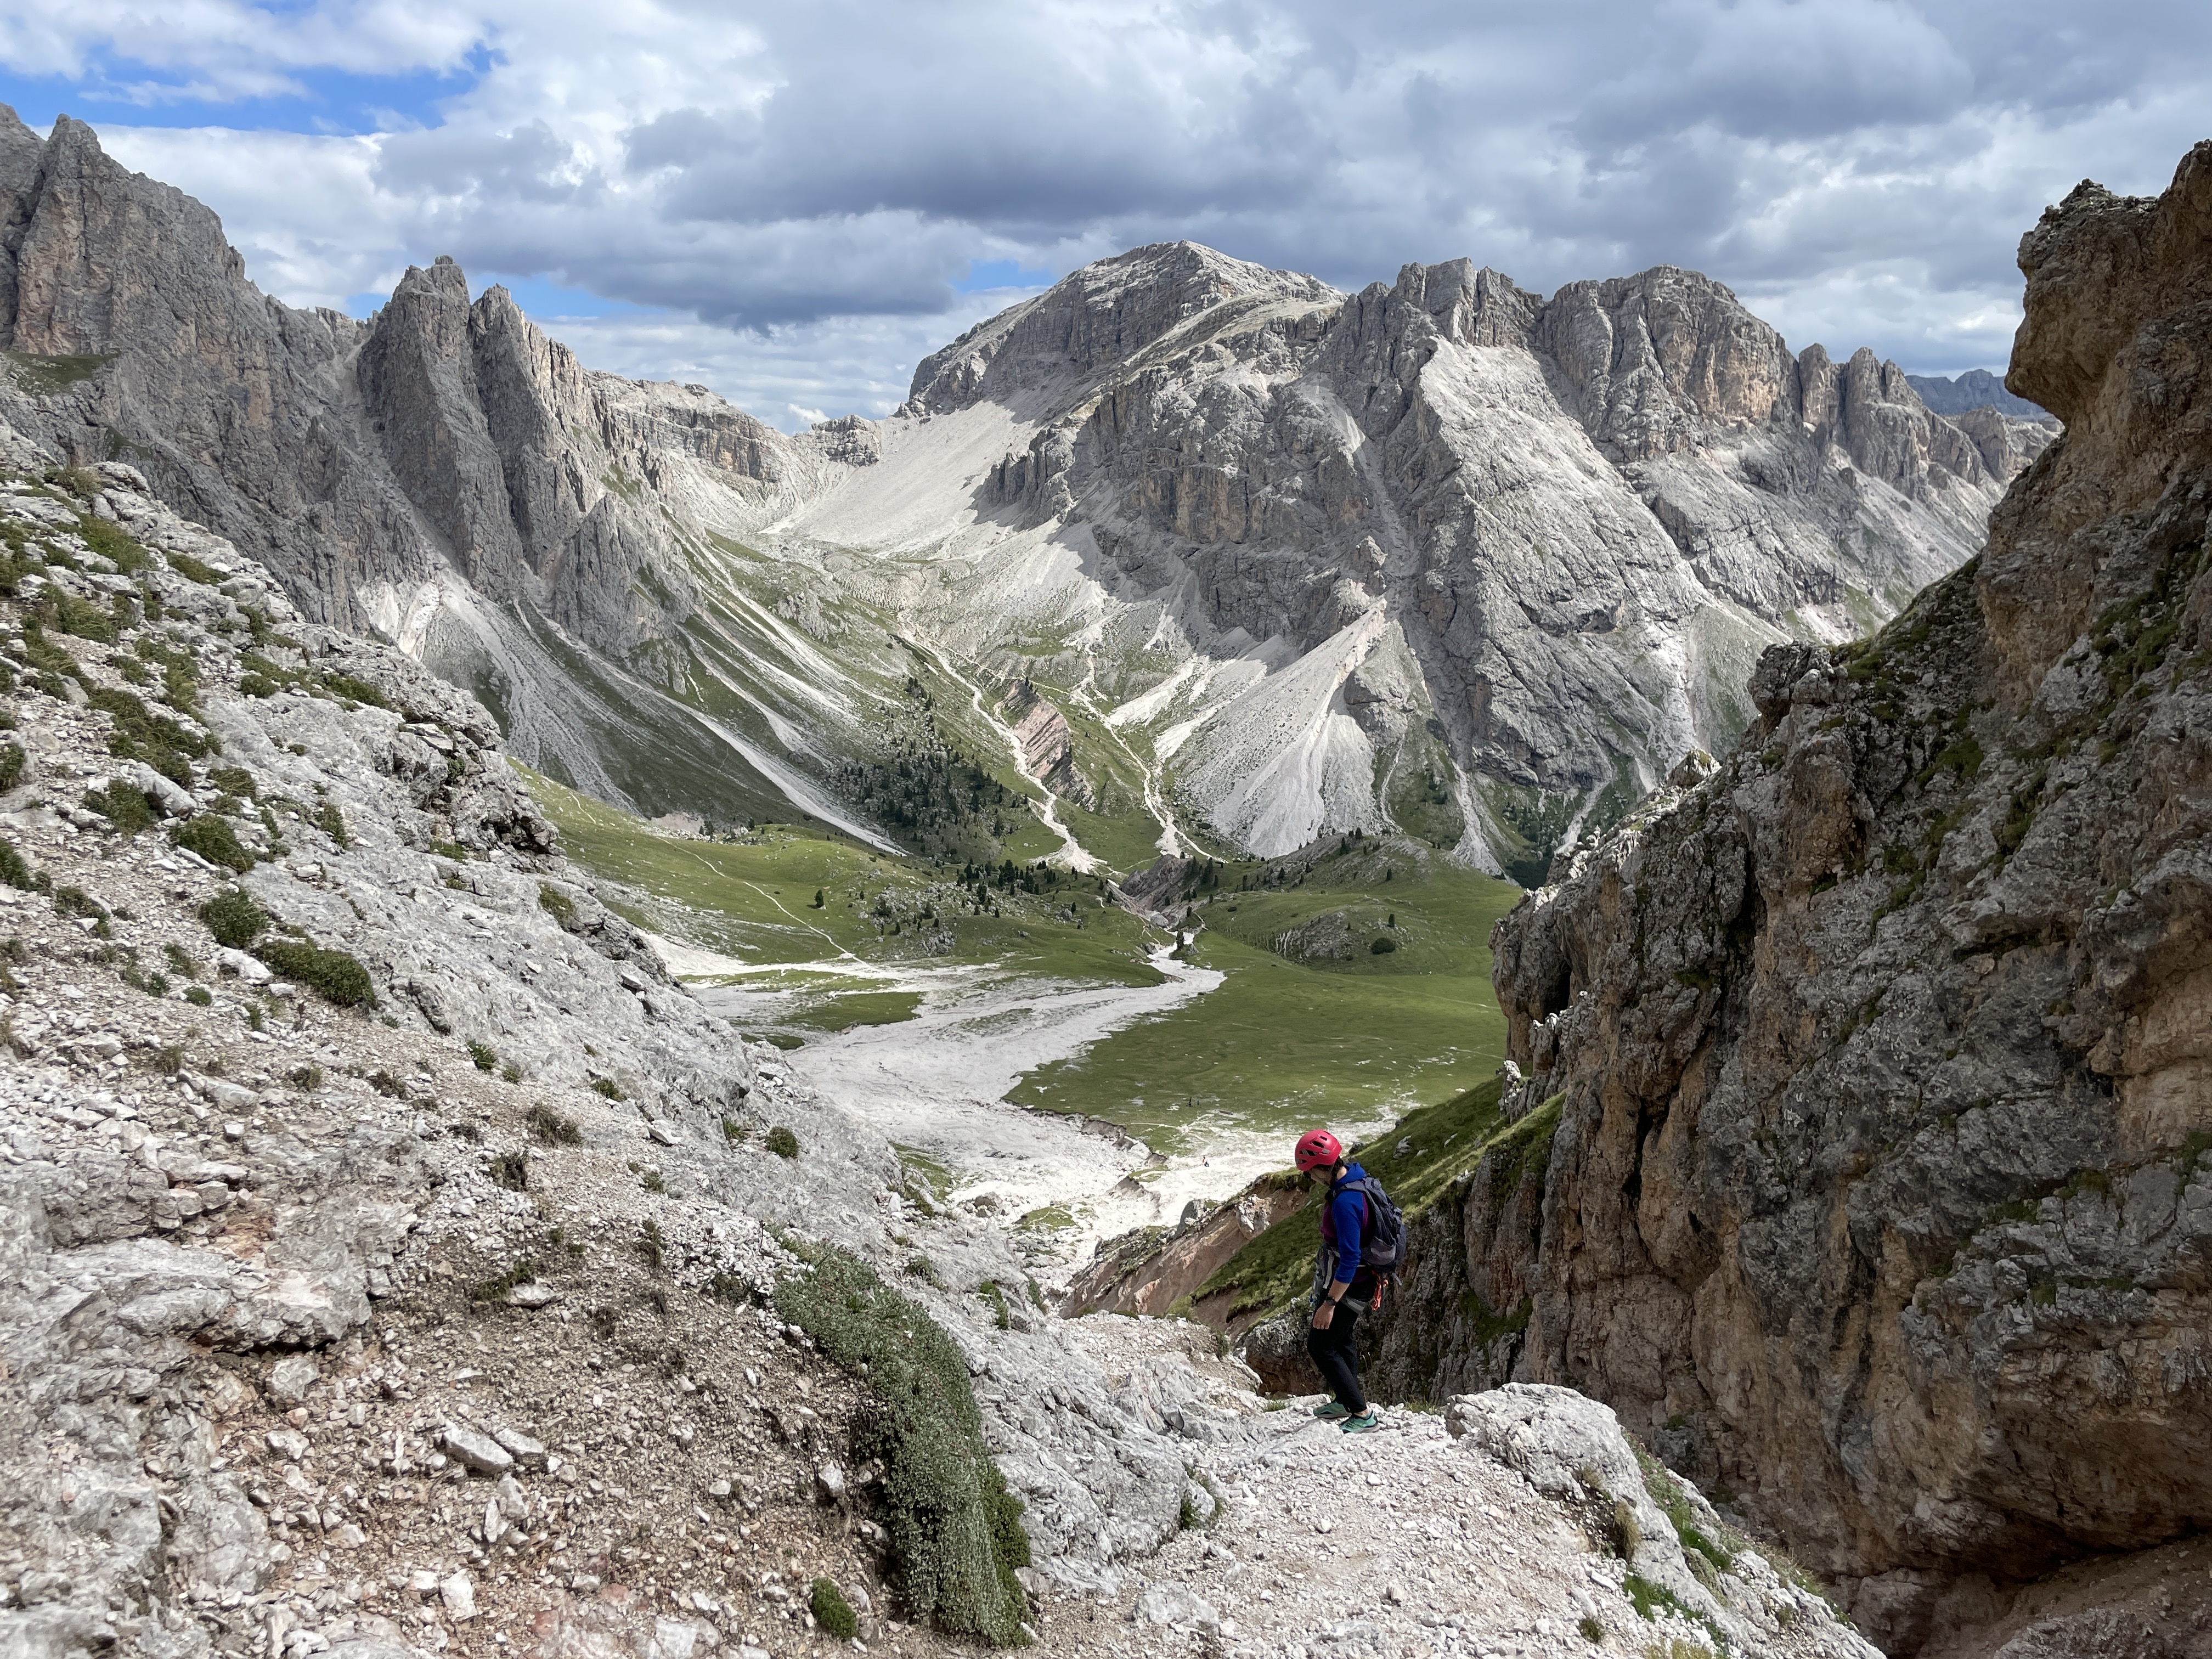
point(1351, 1209)
point(1346, 1216)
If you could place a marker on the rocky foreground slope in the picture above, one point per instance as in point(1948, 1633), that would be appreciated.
point(1444, 554)
point(394, 1261)
point(1881, 1194)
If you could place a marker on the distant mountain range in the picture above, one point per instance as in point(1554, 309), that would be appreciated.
point(1217, 555)
point(1976, 389)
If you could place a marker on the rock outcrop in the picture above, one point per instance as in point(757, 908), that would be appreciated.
point(1871, 1165)
point(1976, 389)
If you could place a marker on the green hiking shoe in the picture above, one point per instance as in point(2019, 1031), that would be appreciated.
point(1361, 1423)
point(1334, 1411)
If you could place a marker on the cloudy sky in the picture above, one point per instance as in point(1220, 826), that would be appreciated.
point(793, 201)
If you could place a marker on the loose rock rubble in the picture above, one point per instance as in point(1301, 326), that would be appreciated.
point(395, 1276)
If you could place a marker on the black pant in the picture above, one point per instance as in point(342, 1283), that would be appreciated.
point(1336, 1353)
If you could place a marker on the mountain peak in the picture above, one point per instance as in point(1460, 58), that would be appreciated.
point(1100, 315)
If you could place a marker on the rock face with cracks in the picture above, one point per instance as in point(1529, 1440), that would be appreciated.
point(1874, 1182)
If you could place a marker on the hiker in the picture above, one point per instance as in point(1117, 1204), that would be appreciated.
point(1362, 1235)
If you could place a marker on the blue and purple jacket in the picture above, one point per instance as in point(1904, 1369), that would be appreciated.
point(1343, 1224)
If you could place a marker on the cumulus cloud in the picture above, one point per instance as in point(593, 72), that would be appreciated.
point(797, 188)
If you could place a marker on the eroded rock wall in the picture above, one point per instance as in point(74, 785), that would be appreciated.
point(1880, 1197)
point(1574, 521)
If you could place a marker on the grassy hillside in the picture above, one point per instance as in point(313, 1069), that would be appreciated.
point(1312, 1024)
point(753, 898)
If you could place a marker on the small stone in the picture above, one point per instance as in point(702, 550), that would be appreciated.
point(532, 1297)
point(290, 1378)
point(478, 1451)
point(829, 1483)
point(719, 1489)
point(460, 1597)
point(530, 1452)
point(289, 1442)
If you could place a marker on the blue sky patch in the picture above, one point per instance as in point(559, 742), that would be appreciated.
point(985, 275)
point(542, 300)
point(119, 94)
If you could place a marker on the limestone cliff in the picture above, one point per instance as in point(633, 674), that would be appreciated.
point(443, 475)
point(1879, 1197)
point(1497, 560)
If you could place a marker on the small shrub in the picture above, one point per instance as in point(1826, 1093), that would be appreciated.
point(783, 1142)
point(127, 808)
point(731, 1131)
point(308, 1077)
point(608, 1087)
point(602, 1323)
point(558, 904)
point(13, 871)
point(832, 1612)
point(1384, 945)
point(192, 570)
point(12, 762)
point(923, 1268)
point(482, 1055)
point(83, 618)
point(332, 823)
point(234, 918)
point(996, 1298)
point(1592, 1631)
point(652, 1246)
point(510, 1170)
point(233, 781)
point(654, 1181)
point(954, 1531)
point(75, 901)
point(345, 685)
point(175, 954)
point(521, 1272)
point(389, 1086)
point(169, 1060)
point(548, 1126)
point(214, 840)
point(197, 996)
point(340, 978)
point(511, 1073)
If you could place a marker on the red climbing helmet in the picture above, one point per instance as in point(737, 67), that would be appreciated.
point(1317, 1150)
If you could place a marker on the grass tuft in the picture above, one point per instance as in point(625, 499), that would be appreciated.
point(832, 1612)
